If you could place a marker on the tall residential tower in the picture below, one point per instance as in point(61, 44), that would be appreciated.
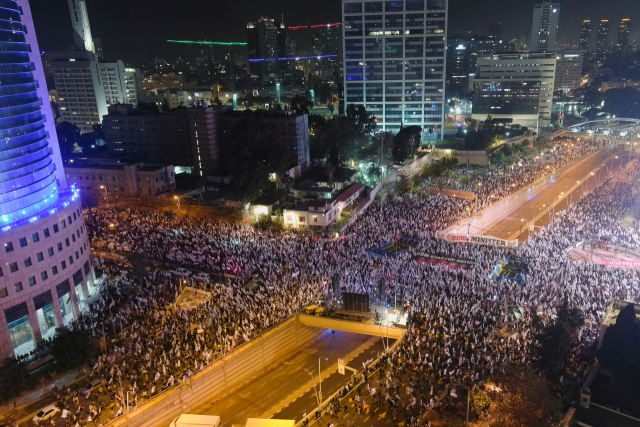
point(394, 61)
point(82, 39)
point(545, 27)
point(602, 42)
point(623, 33)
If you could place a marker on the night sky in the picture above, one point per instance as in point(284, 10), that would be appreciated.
point(137, 30)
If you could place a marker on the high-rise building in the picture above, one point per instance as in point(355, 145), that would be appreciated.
point(545, 27)
point(568, 70)
point(623, 33)
point(515, 88)
point(203, 129)
point(394, 61)
point(602, 42)
point(463, 51)
point(458, 64)
point(82, 39)
point(585, 35)
point(46, 275)
point(86, 84)
point(266, 42)
point(97, 44)
point(290, 128)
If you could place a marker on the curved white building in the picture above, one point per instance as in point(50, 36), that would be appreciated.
point(45, 267)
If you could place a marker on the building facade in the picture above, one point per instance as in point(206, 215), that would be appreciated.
point(87, 84)
point(568, 70)
point(266, 42)
point(602, 42)
point(515, 88)
point(156, 138)
point(82, 39)
point(290, 128)
point(462, 55)
point(45, 274)
point(585, 35)
point(623, 33)
point(121, 180)
point(203, 130)
point(395, 61)
point(545, 27)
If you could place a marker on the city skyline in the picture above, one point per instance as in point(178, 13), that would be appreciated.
point(124, 38)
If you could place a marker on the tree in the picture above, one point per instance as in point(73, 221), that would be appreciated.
point(301, 104)
point(624, 102)
point(15, 379)
point(571, 317)
point(620, 351)
point(405, 185)
point(342, 138)
point(329, 169)
point(139, 265)
point(250, 153)
point(277, 225)
point(72, 349)
point(479, 401)
point(263, 222)
point(526, 400)
point(331, 107)
point(400, 144)
point(404, 142)
point(68, 136)
point(552, 349)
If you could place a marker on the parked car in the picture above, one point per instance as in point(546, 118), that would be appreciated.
point(182, 272)
point(45, 413)
point(93, 385)
point(201, 277)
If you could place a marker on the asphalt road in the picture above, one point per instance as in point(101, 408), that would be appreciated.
point(287, 390)
point(510, 217)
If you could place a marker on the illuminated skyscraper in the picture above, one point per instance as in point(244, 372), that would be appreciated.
point(81, 29)
point(602, 42)
point(44, 251)
point(623, 33)
point(545, 27)
point(394, 61)
point(585, 35)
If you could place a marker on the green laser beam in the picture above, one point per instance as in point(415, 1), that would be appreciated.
point(206, 42)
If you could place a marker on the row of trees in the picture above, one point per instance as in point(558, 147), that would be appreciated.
point(482, 134)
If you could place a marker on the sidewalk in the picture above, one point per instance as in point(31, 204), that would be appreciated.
point(41, 394)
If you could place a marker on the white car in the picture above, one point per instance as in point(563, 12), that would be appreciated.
point(182, 272)
point(45, 413)
point(93, 385)
point(201, 277)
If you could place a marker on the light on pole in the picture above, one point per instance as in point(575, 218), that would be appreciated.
point(106, 194)
point(178, 199)
point(320, 375)
point(523, 220)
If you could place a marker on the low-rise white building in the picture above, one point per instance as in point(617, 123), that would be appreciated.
point(315, 215)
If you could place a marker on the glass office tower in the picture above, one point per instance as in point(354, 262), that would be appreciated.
point(394, 61)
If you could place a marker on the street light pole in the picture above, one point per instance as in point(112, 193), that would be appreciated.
point(320, 375)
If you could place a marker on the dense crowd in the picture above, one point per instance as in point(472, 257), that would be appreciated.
point(456, 336)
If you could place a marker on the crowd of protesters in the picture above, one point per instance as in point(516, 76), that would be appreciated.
point(455, 337)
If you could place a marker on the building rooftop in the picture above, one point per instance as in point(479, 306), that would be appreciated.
point(350, 192)
point(614, 310)
point(113, 166)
